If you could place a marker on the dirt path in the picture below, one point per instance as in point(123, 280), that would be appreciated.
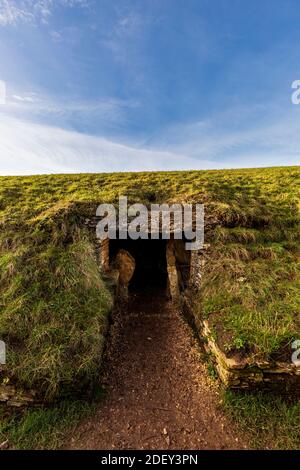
point(158, 393)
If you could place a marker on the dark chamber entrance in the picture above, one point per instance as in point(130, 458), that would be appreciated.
point(150, 258)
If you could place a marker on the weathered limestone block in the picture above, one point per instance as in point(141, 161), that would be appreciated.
point(172, 271)
point(104, 254)
point(227, 362)
point(7, 392)
point(249, 374)
point(125, 264)
point(197, 265)
point(246, 373)
point(10, 395)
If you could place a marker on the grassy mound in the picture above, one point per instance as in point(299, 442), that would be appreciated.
point(54, 304)
point(251, 288)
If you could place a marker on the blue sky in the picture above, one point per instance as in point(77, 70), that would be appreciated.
point(97, 85)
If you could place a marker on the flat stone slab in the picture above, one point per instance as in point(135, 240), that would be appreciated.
point(249, 373)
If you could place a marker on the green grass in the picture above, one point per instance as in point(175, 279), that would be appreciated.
point(269, 421)
point(266, 421)
point(54, 304)
point(43, 428)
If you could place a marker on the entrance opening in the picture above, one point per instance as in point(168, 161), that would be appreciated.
point(150, 262)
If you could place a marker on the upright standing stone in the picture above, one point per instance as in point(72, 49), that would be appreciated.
point(172, 271)
point(125, 264)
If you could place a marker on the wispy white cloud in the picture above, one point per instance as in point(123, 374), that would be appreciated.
point(56, 36)
point(24, 99)
point(125, 36)
point(222, 141)
point(12, 13)
point(236, 138)
point(27, 148)
point(31, 105)
point(30, 11)
point(30, 148)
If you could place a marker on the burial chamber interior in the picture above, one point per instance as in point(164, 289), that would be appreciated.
point(160, 264)
point(150, 262)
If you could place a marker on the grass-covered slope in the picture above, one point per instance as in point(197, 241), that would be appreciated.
point(54, 304)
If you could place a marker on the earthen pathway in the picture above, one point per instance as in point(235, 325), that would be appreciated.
point(158, 393)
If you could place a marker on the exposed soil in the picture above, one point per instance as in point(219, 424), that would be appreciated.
point(158, 393)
